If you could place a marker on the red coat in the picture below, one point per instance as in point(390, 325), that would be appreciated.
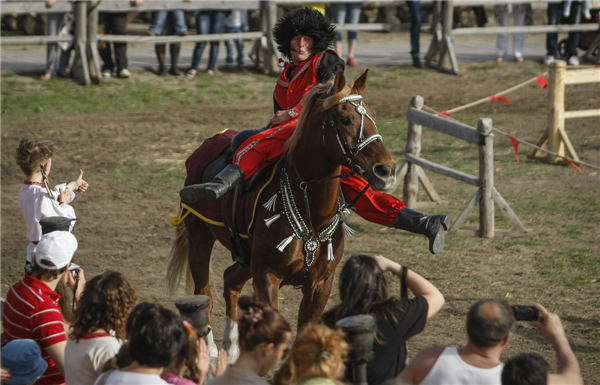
point(266, 147)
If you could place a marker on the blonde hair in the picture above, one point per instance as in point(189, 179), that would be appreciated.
point(318, 352)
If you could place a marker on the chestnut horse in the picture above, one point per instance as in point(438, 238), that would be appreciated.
point(335, 129)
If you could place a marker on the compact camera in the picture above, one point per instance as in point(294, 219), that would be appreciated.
point(74, 270)
point(526, 313)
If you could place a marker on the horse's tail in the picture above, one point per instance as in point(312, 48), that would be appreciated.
point(178, 267)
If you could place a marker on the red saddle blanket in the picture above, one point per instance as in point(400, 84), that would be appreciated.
point(211, 211)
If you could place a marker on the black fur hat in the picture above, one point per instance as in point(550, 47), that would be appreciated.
point(306, 22)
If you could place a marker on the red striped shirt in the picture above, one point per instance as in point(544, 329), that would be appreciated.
point(32, 311)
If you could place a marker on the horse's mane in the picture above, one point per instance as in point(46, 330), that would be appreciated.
point(314, 102)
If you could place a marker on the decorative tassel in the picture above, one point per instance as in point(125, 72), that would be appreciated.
point(348, 230)
point(330, 256)
point(285, 243)
point(270, 221)
point(270, 205)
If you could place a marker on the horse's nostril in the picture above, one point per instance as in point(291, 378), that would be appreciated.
point(382, 171)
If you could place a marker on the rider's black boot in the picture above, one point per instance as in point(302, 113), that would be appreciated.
point(428, 225)
point(225, 181)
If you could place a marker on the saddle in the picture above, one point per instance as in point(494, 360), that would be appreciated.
point(215, 167)
point(237, 207)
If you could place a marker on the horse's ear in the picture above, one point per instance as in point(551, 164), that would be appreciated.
point(339, 83)
point(360, 84)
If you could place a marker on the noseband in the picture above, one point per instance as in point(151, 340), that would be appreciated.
point(351, 152)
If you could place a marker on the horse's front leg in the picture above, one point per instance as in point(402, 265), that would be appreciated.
point(234, 279)
point(266, 287)
point(314, 301)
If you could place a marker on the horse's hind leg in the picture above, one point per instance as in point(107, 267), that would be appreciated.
point(201, 242)
point(234, 279)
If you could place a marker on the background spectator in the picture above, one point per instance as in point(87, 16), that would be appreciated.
point(555, 11)
point(415, 31)
point(22, 360)
point(207, 22)
point(489, 326)
point(236, 22)
point(348, 13)
point(172, 23)
point(194, 359)
point(157, 336)
point(159, 21)
point(115, 23)
point(532, 369)
point(32, 311)
point(397, 320)
point(502, 14)
point(99, 329)
point(57, 61)
point(264, 336)
point(318, 353)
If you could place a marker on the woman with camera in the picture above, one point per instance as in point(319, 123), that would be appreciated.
point(397, 319)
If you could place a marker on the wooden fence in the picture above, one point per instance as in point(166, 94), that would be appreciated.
point(441, 54)
point(556, 137)
point(412, 171)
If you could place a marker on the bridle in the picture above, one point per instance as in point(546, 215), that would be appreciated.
point(350, 152)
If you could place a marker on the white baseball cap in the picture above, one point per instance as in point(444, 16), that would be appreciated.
point(55, 250)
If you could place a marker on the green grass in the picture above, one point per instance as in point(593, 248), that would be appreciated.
point(26, 101)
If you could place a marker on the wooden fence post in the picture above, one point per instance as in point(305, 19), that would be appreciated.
point(556, 109)
point(269, 14)
point(81, 63)
point(92, 51)
point(413, 147)
point(486, 177)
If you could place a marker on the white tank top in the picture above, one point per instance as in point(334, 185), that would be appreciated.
point(452, 370)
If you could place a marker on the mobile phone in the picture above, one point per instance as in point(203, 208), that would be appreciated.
point(526, 313)
point(74, 270)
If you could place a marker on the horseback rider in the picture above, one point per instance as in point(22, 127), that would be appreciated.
point(303, 37)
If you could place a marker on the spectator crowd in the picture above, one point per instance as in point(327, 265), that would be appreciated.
point(236, 21)
point(59, 328)
point(110, 339)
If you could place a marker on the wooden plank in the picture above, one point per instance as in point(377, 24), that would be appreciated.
point(452, 173)
point(429, 186)
point(20, 7)
point(541, 143)
point(556, 108)
point(581, 114)
point(529, 29)
point(413, 148)
point(512, 217)
point(588, 75)
point(10, 40)
point(451, 55)
point(486, 177)
point(179, 39)
point(92, 44)
point(462, 217)
point(568, 144)
point(425, 206)
point(81, 58)
point(444, 125)
point(125, 6)
point(400, 175)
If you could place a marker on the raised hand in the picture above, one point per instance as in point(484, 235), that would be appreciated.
point(81, 184)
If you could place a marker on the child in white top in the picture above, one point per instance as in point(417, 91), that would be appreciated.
point(34, 200)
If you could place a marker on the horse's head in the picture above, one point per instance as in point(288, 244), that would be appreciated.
point(351, 134)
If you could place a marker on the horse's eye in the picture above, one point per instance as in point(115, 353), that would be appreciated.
point(346, 120)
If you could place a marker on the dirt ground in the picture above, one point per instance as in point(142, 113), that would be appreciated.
point(134, 163)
